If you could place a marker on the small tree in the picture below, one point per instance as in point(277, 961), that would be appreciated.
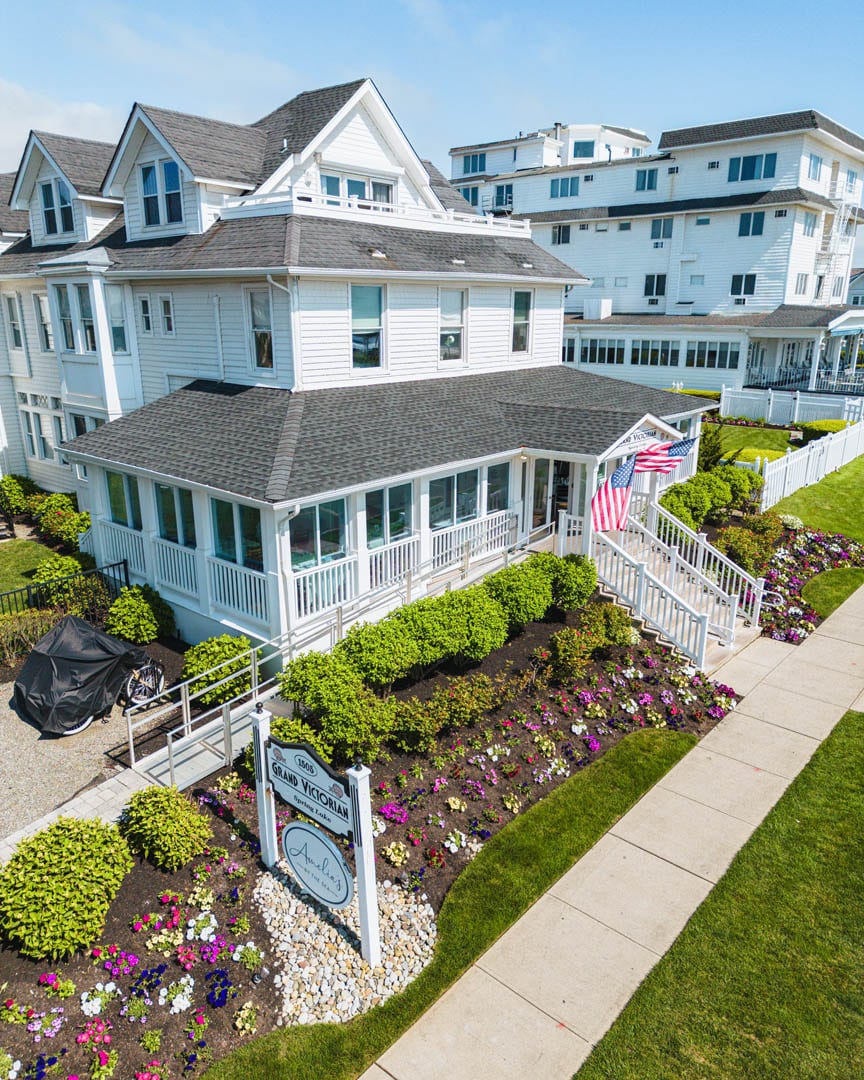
point(711, 452)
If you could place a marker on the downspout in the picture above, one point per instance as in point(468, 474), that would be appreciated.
point(220, 354)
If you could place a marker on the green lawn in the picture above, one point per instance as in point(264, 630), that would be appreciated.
point(18, 560)
point(512, 871)
point(761, 438)
point(834, 504)
point(826, 592)
point(766, 979)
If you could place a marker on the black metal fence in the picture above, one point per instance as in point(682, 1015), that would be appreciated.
point(87, 595)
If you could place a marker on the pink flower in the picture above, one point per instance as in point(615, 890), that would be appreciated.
point(103, 1058)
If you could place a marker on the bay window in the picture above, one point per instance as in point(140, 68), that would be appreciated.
point(451, 304)
point(85, 318)
point(318, 535)
point(176, 515)
point(124, 502)
point(237, 534)
point(388, 515)
point(366, 325)
point(261, 330)
point(521, 320)
point(115, 301)
point(43, 322)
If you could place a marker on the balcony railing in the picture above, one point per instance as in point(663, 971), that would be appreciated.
point(323, 587)
point(483, 537)
point(176, 566)
point(121, 543)
point(235, 588)
point(391, 563)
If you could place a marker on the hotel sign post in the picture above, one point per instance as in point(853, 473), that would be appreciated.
point(296, 773)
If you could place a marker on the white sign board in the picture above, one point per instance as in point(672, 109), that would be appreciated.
point(305, 782)
point(317, 864)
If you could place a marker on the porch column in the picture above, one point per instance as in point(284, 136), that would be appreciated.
point(814, 365)
point(273, 572)
point(105, 349)
point(834, 353)
point(590, 488)
point(425, 531)
point(362, 548)
point(149, 526)
point(204, 547)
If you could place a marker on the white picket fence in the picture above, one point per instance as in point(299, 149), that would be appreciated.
point(809, 465)
point(783, 407)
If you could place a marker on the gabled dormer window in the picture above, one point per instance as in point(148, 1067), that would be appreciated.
point(57, 208)
point(161, 193)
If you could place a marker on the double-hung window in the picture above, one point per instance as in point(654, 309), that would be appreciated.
point(13, 318)
point(470, 195)
point(57, 216)
point(261, 329)
point(646, 179)
point(115, 301)
point(504, 196)
point(388, 515)
point(124, 502)
point(752, 167)
point(655, 285)
point(27, 421)
point(851, 179)
point(498, 487)
point(176, 515)
point(64, 311)
point(85, 318)
point(451, 313)
point(454, 499)
point(474, 163)
point(521, 321)
point(814, 167)
point(751, 223)
point(43, 322)
point(564, 188)
point(661, 228)
point(560, 234)
point(809, 223)
point(367, 326)
point(146, 314)
point(237, 534)
point(162, 193)
point(166, 316)
point(743, 284)
point(318, 535)
point(801, 282)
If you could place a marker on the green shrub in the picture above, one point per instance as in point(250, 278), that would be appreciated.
point(57, 501)
point(431, 628)
point(711, 449)
point(609, 624)
point(140, 615)
point(211, 653)
point(33, 502)
point(524, 592)
point(64, 526)
point(63, 586)
point(56, 889)
point(715, 487)
point(818, 429)
point(20, 631)
point(792, 522)
point(690, 505)
point(573, 579)
point(711, 395)
point(570, 652)
point(767, 526)
point(416, 725)
point(14, 491)
point(289, 729)
point(164, 826)
point(744, 548)
point(745, 484)
point(478, 620)
point(749, 454)
point(380, 652)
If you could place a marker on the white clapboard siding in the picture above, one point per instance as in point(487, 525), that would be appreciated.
point(37, 221)
point(151, 150)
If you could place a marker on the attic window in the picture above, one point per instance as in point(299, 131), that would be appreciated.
point(458, 262)
point(377, 253)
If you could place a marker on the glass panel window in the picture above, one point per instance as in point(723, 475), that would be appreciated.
point(388, 515)
point(173, 195)
point(85, 313)
point(116, 304)
point(655, 285)
point(814, 169)
point(16, 338)
point(304, 529)
point(498, 487)
point(44, 446)
point(330, 186)
point(467, 485)
point(583, 149)
point(262, 333)
point(251, 546)
point(471, 195)
point(318, 534)
point(123, 499)
point(187, 517)
point(176, 515)
point(743, 284)
point(751, 224)
point(474, 163)
point(452, 315)
point(376, 534)
point(366, 325)
point(752, 167)
point(646, 179)
point(801, 285)
point(356, 189)
point(381, 192)
point(61, 296)
point(441, 502)
point(166, 310)
point(58, 431)
point(28, 433)
point(401, 503)
point(331, 530)
point(560, 234)
point(661, 228)
point(504, 196)
point(521, 321)
point(64, 201)
point(146, 314)
point(851, 178)
point(43, 322)
point(564, 188)
point(224, 542)
point(809, 223)
point(49, 213)
point(150, 194)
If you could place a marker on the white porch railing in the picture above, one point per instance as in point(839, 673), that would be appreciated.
point(651, 600)
point(810, 464)
point(779, 407)
point(324, 587)
point(484, 536)
point(176, 566)
point(238, 589)
point(392, 562)
point(122, 543)
point(694, 549)
point(85, 542)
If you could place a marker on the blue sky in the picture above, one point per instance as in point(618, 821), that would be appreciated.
point(452, 72)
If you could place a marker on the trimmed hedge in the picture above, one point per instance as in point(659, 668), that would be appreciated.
point(712, 395)
point(164, 826)
point(14, 491)
point(818, 429)
point(209, 654)
point(140, 615)
point(749, 454)
point(523, 591)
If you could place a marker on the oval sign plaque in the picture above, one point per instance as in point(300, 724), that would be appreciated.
point(317, 864)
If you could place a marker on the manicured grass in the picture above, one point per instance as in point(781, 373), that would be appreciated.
point(761, 438)
point(18, 560)
point(826, 592)
point(765, 980)
point(834, 504)
point(510, 873)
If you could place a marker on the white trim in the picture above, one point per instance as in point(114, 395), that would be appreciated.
point(161, 297)
point(528, 351)
point(158, 165)
point(463, 361)
point(249, 335)
point(15, 198)
point(135, 117)
point(383, 367)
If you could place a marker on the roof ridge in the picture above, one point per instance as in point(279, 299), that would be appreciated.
point(193, 116)
point(304, 93)
point(283, 455)
point(72, 138)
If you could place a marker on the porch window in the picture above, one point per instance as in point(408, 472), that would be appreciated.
point(85, 315)
point(498, 487)
point(318, 535)
point(388, 515)
point(330, 186)
point(366, 325)
point(116, 304)
point(521, 320)
point(124, 501)
point(452, 317)
point(453, 499)
point(261, 327)
point(237, 534)
point(176, 515)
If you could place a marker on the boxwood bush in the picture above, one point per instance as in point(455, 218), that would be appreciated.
point(818, 429)
point(207, 654)
point(570, 652)
point(289, 729)
point(608, 624)
point(524, 591)
point(572, 579)
point(140, 615)
point(380, 652)
point(164, 826)
point(56, 889)
point(478, 620)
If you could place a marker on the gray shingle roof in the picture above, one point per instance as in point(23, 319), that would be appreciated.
point(212, 149)
point(449, 196)
point(791, 316)
point(11, 221)
point(781, 196)
point(84, 161)
point(806, 119)
point(325, 440)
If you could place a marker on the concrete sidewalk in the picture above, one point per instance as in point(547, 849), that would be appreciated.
point(536, 1003)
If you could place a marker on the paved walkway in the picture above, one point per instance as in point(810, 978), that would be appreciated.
point(535, 1004)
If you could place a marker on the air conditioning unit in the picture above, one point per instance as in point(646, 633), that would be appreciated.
point(653, 301)
point(740, 300)
point(672, 169)
point(587, 179)
point(713, 164)
point(780, 213)
point(658, 243)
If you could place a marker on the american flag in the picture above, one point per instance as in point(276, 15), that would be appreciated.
point(662, 457)
point(611, 502)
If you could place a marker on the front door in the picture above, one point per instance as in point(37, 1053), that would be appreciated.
point(540, 506)
point(551, 490)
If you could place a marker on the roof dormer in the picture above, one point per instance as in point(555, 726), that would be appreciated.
point(59, 183)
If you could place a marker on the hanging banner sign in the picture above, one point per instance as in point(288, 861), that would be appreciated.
point(317, 864)
point(307, 783)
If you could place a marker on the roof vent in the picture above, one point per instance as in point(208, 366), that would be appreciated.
point(377, 253)
point(285, 145)
point(527, 266)
point(458, 262)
